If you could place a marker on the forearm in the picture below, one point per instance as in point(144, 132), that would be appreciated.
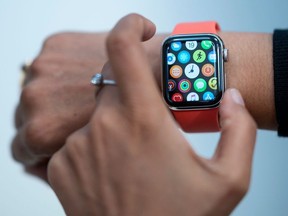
point(249, 69)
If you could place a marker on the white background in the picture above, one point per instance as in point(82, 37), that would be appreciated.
point(25, 24)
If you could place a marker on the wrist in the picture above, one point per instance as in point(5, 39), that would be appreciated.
point(193, 80)
point(250, 70)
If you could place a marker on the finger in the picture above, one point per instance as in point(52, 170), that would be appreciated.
point(107, 96)
point(39, 170)
point(236, 145)
point(22, 154)
point(128, 60)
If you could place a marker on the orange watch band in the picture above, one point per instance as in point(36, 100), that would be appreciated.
point(197, 27)
point(205, 120)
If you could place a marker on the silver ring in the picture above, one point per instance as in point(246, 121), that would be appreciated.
point(98, 80)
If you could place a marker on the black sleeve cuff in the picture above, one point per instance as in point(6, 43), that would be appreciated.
point(280, 64)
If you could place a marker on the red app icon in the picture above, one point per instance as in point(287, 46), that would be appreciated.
point(177, 97)
point(171, 85)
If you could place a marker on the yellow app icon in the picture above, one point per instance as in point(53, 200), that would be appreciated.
point(213, 83)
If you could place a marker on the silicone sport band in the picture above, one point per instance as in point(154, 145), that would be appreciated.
point(197, 120)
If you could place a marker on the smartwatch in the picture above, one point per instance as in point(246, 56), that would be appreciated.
point(193, 78)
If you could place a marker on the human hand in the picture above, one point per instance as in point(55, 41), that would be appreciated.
point(131, 159)
point(56, 98)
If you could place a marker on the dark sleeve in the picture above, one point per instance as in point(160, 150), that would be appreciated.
point(280, 65)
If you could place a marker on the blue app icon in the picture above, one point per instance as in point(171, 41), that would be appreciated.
point(212, 56)
point(207, 96)
point(184, 57)
point(176, 46)
point(171, 58)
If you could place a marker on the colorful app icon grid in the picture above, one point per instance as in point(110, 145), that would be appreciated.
point(192, 72)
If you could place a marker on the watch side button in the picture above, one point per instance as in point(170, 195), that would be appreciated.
point(225, 55)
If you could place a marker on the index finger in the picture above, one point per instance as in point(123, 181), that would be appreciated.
point(129, 62)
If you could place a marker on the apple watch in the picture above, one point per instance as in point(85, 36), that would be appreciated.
point(193, 81)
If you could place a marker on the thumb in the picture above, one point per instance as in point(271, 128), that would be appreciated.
point(238, 134)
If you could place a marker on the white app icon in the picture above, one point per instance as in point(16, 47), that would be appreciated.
point(171, 58)
point(192, 96)
point(212, 57)
point(192, 71)
point(191, 45)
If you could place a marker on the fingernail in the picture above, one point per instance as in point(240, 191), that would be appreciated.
point(236, 96)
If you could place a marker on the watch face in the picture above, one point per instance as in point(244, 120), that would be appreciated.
point(193, 71)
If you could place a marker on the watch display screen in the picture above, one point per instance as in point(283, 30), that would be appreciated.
point(192, 71)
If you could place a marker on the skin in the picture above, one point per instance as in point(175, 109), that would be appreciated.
point(250, 69)
point(57, 100)
point(131, 159)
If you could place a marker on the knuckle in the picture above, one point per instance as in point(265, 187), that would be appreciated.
point(76, 146)
point(29, 93)
point(33, 138)
point(35, 93)
point(55, 169)
point(69, 157)
point(37, 67)
point(74, 138)
point(54, 40)
point(102, 120)
point(106, 122)
point(120, 40)
point(36, 138)
point(133, 17)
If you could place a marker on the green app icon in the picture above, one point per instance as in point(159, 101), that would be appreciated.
point(206, 44)
point(200, 85)
point(199, 56)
